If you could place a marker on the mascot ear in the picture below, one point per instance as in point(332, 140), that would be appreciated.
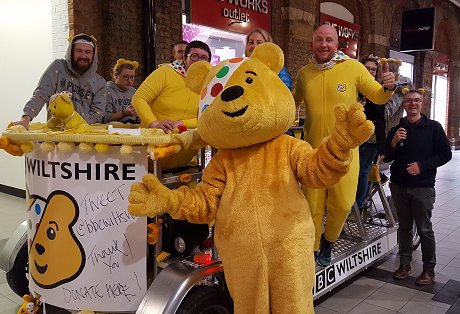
point(196, 75)
point(269, 54)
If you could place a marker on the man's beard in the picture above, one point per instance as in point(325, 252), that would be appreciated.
point(82, 68)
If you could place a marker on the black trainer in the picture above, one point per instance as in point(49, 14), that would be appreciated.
point(325, 252)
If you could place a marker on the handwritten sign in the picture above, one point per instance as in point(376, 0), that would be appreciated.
point(85, 250)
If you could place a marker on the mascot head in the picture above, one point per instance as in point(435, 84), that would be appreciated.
point(243, 101)
point(61, 105)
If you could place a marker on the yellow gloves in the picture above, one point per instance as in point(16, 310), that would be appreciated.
point(351, 130)
point(149, 198)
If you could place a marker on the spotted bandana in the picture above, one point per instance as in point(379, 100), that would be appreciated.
point(339, 56)
point(179, 67)
point(216, 85)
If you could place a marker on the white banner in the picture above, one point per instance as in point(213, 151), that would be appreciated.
point(85, 250)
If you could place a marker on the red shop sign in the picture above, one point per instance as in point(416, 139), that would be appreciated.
point(238, 16)
point(348, 34)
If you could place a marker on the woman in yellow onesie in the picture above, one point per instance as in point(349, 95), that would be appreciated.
point(163, 101)
point(332, 78)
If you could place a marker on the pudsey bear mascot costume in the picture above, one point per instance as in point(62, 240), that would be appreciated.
point(263, 227)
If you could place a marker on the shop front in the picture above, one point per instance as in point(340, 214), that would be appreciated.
point(223, 25)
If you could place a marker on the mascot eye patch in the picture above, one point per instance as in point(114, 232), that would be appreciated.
point(236, 113)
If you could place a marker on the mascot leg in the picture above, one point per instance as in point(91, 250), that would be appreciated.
point(247, 280)
point(292, 279)
point(316, 199)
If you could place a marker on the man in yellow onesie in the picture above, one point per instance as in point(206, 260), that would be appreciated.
point(329, 79)
point(163, 101)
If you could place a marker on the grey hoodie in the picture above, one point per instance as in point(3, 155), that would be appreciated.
point(118, 100)
point(88, 90)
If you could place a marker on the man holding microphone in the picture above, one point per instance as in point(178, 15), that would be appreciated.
point(417, 147)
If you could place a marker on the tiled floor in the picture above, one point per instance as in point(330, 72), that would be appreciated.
point(373, 291)
point(12, 213)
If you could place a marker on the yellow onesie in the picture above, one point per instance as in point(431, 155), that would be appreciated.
point(322, 91)
point(164, 96)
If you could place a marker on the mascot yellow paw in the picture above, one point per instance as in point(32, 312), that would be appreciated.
point(351, 128)
point(149, 198)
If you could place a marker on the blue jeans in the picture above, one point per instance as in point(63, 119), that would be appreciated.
point(367, 154)
point(411, 204)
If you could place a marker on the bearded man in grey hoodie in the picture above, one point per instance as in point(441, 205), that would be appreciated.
point(76, 74)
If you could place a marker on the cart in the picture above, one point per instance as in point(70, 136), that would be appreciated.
point(192, 279)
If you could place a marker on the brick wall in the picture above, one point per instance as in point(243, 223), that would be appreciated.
point(123, 35)
point(85, 16)
point(292, 29)
point(168, 28)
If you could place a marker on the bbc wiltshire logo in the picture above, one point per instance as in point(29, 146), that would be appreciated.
point(333, 275)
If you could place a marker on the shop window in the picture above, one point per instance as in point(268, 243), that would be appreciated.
point(439, 100)
point(224, 45)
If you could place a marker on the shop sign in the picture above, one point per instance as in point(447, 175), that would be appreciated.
point(85, 250)
point(238, 16)
point(348, 34)
point(417, 29)
point(441, 65)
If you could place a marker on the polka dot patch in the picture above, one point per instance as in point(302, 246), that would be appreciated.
point(222, 72)
point(38, 209)
point(216, 89)
point(217, 84)
point(236, 60)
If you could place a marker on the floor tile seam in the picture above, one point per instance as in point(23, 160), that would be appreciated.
point(389, 294)
point(364, 301)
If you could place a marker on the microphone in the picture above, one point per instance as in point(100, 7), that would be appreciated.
point(403, 123)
